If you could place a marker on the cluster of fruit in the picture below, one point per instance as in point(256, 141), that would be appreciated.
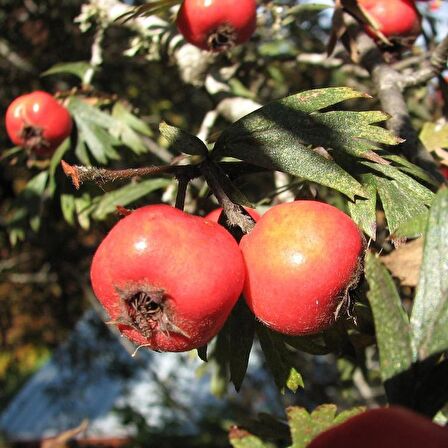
point(217, 25)
point(169, 280)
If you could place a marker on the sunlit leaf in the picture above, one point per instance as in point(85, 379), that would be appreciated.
point(107, 203)
point(283, 136)
point(429, 321)
point(77, 69)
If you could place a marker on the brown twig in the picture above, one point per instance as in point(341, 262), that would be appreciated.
point(389, 85)
point(80, 174)
point(434, 67)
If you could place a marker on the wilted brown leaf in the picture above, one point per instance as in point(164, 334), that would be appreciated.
point(404, 262)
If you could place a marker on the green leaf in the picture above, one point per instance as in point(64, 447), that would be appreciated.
point(305, 427)
point(314, 344)
point(36, 186)
point(94, 128)
point(363, 210)
point(220, 357)
point(282, 135)
point(429, 319)
point(128, 128)
point(83, 207)
point(403, 181)
point(240, 438)
point(410, 168)
point(402, 197)
point(398, 203)
point(55, 162)
point(181, 141)
point(68, 208)
point(122, 113)
point(434, 136)
point(107, 203)
point(414, 227)
point(77, 69)
point(242, 331)
point(278, 359)
point(391, 322)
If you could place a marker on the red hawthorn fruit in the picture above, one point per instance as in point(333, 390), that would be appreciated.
point(168, 279)
point(214, 215)
point(37, 122)
point(217, 25)
point(384, 428)
point(396, 18)
point(444, 171)
point(301, 258)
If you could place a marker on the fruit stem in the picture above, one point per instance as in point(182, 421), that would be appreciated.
point(235, 213)
point(181, 191)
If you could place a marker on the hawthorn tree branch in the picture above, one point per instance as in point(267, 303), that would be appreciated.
point(79, 174)
point(389, 86)
point(434, 67)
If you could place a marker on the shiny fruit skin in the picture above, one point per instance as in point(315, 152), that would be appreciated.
point(396, 18)
point(215, 214)
point(38, 122)
point(300, 258)
point(208, 23)
point(384, 428)
point(193, 267)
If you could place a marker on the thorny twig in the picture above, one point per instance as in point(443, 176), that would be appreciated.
point(80, 174)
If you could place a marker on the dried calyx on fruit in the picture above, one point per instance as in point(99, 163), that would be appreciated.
point(38, 123)
point(217, 25)
point(167, 279)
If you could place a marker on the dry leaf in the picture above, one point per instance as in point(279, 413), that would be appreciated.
point(404, 263)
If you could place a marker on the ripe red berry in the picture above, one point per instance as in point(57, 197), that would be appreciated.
point(217, 25)
point(444, 171)
point(386, 428)
point(215, 214)
point(395, 18)
point(168, 279)
point(37, 122)
point(301, 258)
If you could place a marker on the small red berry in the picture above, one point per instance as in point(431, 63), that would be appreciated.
point(168, 279)
point(395, 18)
point(214, 215)
point(301, 257)
point(217, 25)
point(37, 122)
point(384, 428)
point(444, 171)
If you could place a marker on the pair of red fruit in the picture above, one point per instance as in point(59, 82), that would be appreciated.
point(217, 25)
point(169, 280)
